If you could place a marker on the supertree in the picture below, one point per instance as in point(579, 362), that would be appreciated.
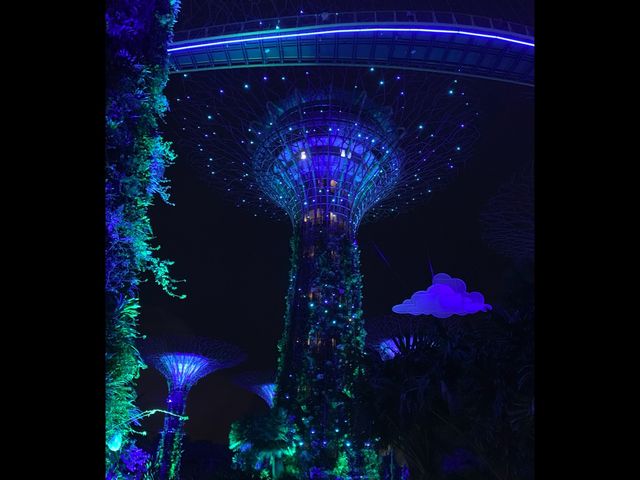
point(330, 148)
point(262, 383)
point(508, 218)
point(183, 360)
point(394, 334)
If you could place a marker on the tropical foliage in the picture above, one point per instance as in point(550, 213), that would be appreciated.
point(461, 404)
point(136, 157)
point(264, 444)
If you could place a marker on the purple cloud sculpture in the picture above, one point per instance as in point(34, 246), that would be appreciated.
point(447, 296)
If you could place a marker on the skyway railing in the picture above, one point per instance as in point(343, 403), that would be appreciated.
point(382, 17)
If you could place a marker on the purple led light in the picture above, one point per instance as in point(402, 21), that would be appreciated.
point(350, 30)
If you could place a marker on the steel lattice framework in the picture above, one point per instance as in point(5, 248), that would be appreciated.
point(345, 145)
point(391, 335)
point(469, 45)
point(328, 158)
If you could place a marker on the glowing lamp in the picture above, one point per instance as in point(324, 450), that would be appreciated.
point(115, 442)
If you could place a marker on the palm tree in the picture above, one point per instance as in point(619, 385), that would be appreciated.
point(263, 440)
point(466, 386)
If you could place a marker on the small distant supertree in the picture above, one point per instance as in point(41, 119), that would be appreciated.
point(391, 335)
point(508, 218)
point(262, 383)
point(183, 361)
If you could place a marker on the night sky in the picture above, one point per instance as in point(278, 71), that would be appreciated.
point(236, 265)
point(198, 13)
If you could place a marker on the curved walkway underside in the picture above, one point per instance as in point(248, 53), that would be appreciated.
point(429, 41)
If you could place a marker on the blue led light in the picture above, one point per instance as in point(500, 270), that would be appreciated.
point(349, 30)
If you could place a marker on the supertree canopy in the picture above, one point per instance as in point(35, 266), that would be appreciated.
point(331, 148)
point(183, 360)
point(270, 140)
point(262, 383)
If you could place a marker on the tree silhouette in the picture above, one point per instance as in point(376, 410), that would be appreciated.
point(460, 403)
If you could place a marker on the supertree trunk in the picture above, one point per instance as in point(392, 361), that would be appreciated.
point(170, 446)
point(321, 351)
